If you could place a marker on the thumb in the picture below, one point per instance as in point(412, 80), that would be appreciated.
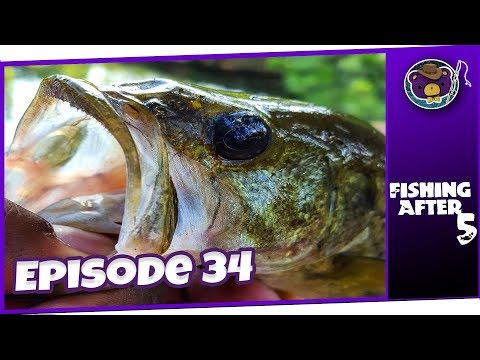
point(27, 235)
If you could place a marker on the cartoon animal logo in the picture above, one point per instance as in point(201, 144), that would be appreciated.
point(431, 82)
point(434, 84)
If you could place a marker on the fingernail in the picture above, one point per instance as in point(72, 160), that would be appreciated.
point(85, 241)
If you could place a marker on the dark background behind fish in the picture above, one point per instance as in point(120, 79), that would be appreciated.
point(353, 84)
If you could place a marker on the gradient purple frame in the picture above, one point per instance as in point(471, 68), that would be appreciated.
point(175, 58)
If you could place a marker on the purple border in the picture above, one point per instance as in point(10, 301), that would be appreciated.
point(2, 223)
point(176, 58)
point(415, 270)
point(387, 179)
point(197, 305)
point(217, 305)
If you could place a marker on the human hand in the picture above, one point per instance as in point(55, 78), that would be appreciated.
point(29, 236)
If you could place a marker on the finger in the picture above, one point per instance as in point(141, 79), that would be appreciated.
point(111, 297)
point(88, 242)
point(228, 292)
point(13, 302)
point(232, 292)
point(29, 236)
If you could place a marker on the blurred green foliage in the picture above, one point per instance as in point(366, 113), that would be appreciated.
point(352, 84)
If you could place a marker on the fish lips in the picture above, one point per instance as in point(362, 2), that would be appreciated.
point(149, 218)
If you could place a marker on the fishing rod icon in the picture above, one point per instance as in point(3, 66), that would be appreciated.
point(457, 79)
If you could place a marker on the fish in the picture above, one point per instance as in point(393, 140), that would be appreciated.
point(164, 166)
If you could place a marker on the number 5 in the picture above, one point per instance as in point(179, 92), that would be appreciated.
point(470, 231)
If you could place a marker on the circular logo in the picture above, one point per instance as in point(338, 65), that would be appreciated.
point(431, 84)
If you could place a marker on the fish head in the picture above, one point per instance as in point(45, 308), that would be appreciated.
point(204, 168)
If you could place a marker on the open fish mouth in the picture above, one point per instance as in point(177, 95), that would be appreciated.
point(94, 159)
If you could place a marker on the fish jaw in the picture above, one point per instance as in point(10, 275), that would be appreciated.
point(61, 103)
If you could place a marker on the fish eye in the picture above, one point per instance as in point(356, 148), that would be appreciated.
point(239, 135)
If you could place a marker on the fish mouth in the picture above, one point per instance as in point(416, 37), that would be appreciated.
point(94, 159)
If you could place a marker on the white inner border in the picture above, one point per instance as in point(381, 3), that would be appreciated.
point(56, 52)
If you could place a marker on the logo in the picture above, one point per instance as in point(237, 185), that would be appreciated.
point(433, 84)
point(437, 199)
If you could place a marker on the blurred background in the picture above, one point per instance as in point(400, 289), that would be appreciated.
point(353, 84)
